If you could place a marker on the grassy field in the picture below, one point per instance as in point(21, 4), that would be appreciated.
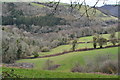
point(90, 38)
point(67, 61)
point(63, 48)
point(68, 47)
point(28, 73)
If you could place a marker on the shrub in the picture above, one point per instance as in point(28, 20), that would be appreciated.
point(77, 68)
point(101, 41)
point(35, 54)
point(110, 67)
point(10, 74)
point(94, 42)
point(113, 41)
point(3, 28)
point(49, 65)
point(45, 49)
point(74, 44)
point(53, 67)
point(102, 63)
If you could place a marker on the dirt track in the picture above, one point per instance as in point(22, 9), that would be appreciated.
point(66, 52)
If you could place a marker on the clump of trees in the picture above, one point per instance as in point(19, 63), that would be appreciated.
point(74, 44)
point(97, 39)
point(101, 41)
point(48, 20)
point(18, 17)
point(14, 45)
point(94, 42)
point(13, 49)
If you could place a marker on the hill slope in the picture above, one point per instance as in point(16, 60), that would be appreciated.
point(67, 61)
point(110, 10)
point(63, 11)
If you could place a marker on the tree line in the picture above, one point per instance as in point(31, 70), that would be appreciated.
point(48, 20)
point(99, 40)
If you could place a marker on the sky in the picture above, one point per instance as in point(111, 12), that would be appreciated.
point(88, 2)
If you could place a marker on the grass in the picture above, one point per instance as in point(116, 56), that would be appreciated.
point(39, 5)
point(28, 73)
point(89, 38)
point(68, 47)
point(63, 48)
point(67, 60)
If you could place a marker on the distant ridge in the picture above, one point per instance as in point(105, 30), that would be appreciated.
point(112, 10)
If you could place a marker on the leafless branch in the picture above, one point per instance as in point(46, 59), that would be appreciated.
point(86, 11)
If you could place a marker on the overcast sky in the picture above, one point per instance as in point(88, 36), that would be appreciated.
point(91, 2)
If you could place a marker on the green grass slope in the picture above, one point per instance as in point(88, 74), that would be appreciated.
point(28, 73)
point(63, 48)
point(67, 61)
point(90, 38)
point(68, 47)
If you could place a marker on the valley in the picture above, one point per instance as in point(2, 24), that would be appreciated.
point(42, 40)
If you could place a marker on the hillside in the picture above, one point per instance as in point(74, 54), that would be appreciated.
point(111, 10)
point(67, 61)
point(63, 13)
point(40, 40)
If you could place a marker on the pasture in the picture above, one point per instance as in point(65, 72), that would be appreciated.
point(28, 73)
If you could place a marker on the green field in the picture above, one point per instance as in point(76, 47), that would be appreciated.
point(30, 73)
point(67, 60)
point(68, 47)
point(63, 48)
point(90, 38)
